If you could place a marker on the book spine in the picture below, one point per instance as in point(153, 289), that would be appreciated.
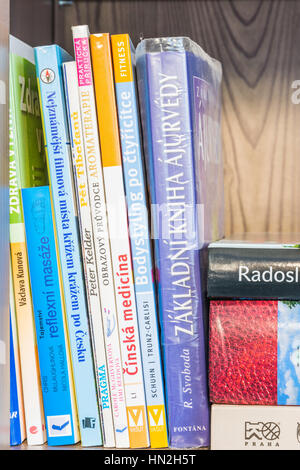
point(17, 417)
point(49, 73)
point(254, 273)
point(55, 370)
point(15, 424)
point(132, 158)
point(100, 229)
point(164, 91)
point(88, 249)
point(119, 240)
point(33, 403)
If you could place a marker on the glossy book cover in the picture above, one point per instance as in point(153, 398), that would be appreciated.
point(254, 352)
point(254, 266)
point(179, 90)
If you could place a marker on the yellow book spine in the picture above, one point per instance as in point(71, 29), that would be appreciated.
point(34, 412)
point(16, 348)
point(119, 239)
point(122, 58)
point(105, 100)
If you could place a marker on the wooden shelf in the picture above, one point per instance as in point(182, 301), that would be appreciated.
point(24, 446)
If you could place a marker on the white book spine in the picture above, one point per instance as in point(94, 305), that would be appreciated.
point(126, 306)
point(101, 236)
point(88, 251)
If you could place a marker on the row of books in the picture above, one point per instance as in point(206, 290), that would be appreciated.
point(254, 341)
point(90, 311)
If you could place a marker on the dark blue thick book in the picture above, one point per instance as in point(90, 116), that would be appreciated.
point(179, 89)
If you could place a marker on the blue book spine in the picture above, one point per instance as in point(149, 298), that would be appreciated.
point(15, 425)
point(166, 96)
point(56, 377)
point(136, 196)
point(49, 61)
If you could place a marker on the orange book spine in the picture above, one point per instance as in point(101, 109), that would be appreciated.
point(119, 239)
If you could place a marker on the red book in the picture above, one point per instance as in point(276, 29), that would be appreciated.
point(243, 352)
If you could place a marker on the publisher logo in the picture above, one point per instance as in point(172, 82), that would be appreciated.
point(262, 434)
point(59, 425)
point(156, 416)
point(88, 423)
point(47, 76)
point(135, 416)
point(33, 430)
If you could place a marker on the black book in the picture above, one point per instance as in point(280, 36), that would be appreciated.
point(248, 266)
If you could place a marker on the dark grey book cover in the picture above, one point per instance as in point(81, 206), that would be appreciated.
point(255, 267)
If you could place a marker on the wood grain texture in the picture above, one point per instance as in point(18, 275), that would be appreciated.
point(257, 42)
point(32, 21)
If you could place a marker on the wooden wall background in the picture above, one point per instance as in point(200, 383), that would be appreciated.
point(258, 43)
point(32, 20)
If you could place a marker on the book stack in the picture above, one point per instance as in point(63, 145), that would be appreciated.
point(254, 341)
point(108, 251)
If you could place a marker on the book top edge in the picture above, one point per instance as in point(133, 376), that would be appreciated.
point(48, 47)
point(20, 48)
point(80, 31)
point(171, 43)
point(100, 35)
point(259, 240)
point(52, 49)
point(174, 44)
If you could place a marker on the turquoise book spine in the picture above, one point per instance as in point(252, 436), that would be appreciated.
point(56, 376)
point(133, 170)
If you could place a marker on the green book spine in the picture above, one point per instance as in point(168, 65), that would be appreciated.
point(27, 168)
